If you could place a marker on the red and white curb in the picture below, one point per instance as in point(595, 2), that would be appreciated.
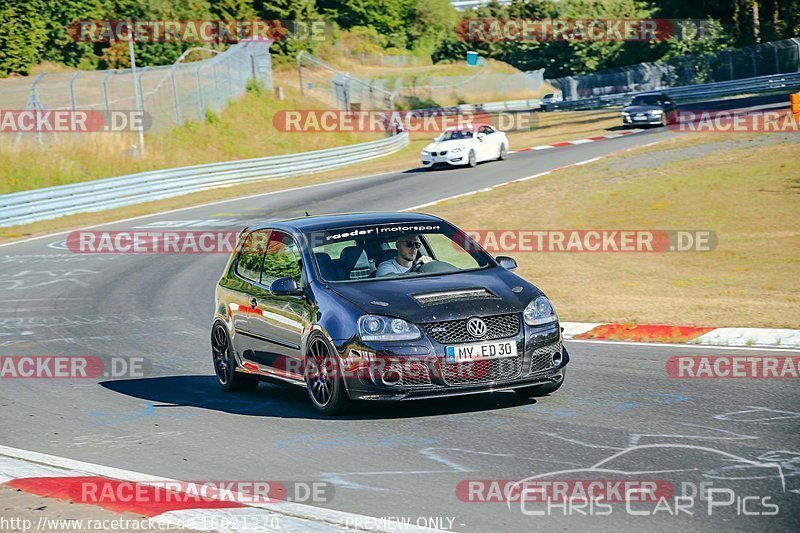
point(756, 337)
point(57, 477)
point(578, 141)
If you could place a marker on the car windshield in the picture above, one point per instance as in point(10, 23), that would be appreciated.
point(648, 99)
point(392, 251)
point(455, 135)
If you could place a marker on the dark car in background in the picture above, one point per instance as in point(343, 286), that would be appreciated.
point(649, 109)
point(307, 301)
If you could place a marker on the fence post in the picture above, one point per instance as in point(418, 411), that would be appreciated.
point(755, 64)
point(230, 79)
point(141, 92)
point(72, 90)
point(105, 89)
point(300, 73)
point(175, 98)
point(777, 62)
point(200, 93)
point(730, 63)
point(216, 83)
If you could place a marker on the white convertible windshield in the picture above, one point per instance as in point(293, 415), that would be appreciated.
point(455, 135)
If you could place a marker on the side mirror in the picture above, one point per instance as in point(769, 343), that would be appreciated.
point(285, 286)
point(506, 262)
point(481, 136)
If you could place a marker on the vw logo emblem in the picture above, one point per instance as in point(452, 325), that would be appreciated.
point(476, 327)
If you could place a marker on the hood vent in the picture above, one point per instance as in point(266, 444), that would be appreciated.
point(445, 297)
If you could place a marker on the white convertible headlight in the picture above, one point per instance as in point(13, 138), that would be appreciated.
point(540, 311)
point(385, 328)
point(456, 150)
point(425, 152)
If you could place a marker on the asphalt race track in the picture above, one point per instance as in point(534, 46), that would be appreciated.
point(383, 460)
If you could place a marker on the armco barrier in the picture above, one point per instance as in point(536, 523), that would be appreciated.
point(690, 93)
point(51, 202)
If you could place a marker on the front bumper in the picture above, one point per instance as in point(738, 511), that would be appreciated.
point(424, 373)
point(647, 120)
point(454, 159)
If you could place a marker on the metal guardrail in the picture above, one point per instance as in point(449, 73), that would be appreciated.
point(52, 202)
point(774, 82)
point(495, 107)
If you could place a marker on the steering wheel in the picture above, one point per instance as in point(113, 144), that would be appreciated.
point(416, 264)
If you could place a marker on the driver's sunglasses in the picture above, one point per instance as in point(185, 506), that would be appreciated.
point(412, 244)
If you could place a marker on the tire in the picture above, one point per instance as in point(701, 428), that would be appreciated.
point(472, 160)
point(326, 391)
point(537, 391)
point(224, 362)
point(503, 152)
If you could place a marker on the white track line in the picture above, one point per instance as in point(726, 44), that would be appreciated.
point(291, 512)
point(688, 346)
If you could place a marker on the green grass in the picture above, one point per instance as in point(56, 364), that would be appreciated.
point(243, 130)
point(748, 194)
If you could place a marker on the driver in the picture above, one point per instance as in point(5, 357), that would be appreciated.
point(407, 248)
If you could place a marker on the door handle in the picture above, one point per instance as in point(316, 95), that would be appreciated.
point(253, 303)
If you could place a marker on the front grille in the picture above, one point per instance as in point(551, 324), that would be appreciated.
point(484, 371)
point(455, 331)
point(542, 358)
point(414, 375)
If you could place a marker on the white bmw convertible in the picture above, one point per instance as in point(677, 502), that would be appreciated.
point(466, 145)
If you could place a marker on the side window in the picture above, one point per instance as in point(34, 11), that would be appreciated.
point(248, 263)
point(282, 259)
point(487, 130)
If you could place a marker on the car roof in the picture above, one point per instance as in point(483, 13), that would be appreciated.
point(344, 220)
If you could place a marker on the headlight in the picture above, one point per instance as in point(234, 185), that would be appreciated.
point(539, 312)
point(625, 114)
point(425, 152)
point(454, 150)
point(656, 112)
point(386, 328)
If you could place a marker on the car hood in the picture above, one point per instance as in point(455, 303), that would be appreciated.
point(446, 145)
point(641, 108)
point(406, 297)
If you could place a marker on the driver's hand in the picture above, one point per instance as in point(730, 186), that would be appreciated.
point(425, 259)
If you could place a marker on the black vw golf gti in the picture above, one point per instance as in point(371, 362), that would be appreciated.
point(380, 306)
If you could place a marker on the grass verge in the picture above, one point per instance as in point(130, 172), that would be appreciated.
point(551, 127)
point(746, 189)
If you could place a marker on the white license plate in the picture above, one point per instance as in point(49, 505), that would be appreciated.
point(481, 350)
